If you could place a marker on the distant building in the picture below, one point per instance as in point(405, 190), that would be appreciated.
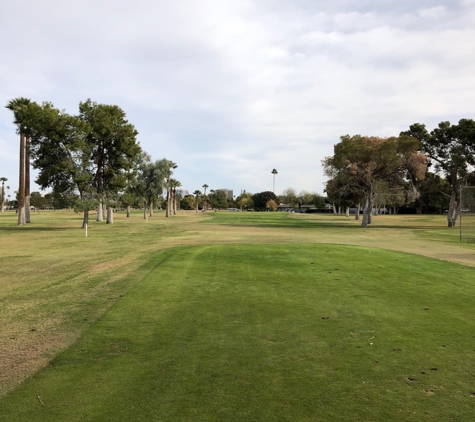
point(228, 192)
point(182, 192)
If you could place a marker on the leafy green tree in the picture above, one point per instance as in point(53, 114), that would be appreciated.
point(260, 200)
point(244, 201)
point(62, 154)
point(152, 180)
point(218, 199)
point(188, 202)
point(38, 201)
point(434, 194)
point(289, 197)
point(452, 149)
point(363, 161)
point(113, 141)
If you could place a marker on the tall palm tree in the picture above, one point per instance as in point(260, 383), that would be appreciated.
point(27, 180)
point(171, 167)
point(174, 184)
point(19, 106)
point(205, 205)
point(197, 194)
point(274, 172)
point(3, 179)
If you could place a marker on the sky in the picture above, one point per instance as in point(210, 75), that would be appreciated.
point(231, 89)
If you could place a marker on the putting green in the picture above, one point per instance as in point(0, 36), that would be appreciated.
point(271, 332)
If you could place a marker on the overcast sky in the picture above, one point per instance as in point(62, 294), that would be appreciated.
point(230, 89)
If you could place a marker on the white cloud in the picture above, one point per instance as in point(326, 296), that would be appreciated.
point(233, 89)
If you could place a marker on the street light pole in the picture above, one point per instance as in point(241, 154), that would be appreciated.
point(274, 172)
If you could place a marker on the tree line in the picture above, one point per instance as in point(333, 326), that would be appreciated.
point(91, 160)
point(371, 171)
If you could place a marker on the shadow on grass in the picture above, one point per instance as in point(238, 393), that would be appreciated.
point(287, 221)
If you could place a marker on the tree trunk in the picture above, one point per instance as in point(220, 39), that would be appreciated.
point(367, 219)
point(104, 210)
point(151, 208)
point(174, 201)
point(99, 216)
point(347, 212)
point(27, 180)
point(21, 188)
point(85, 219)
point(144, 210)
point(454, 210)
point(357, 213)
point(168, 204)
point(334, 209)
point(128, 211)
point(197, 205)
point(110, 215)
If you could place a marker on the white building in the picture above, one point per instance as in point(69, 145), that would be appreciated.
point(182, 192)
point(228, 192)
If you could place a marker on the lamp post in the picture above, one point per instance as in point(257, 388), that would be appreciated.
point(274, 172)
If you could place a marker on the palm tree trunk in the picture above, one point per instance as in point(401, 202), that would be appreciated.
point(21, 189)
point(99, 216)
point(174, 201)
point(27, 180)
point(3, 197)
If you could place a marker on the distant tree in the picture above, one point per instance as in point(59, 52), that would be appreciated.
point(197, 194)
point(174, 184)
point(3, 180)
point(188, 202)
point(38, 201)
point(271, 205)
point(434, 194)
point(452, 149)
point(218, 199)
point(150, 181)
point(289, 197)
point(260, 200)
point(168, 167)
point(205, 186)
point(244, 201)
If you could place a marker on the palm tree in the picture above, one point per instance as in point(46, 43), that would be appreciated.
point(205, 205)
point(19, 106)
point(171, 166)
point(274, 172)
point(197, 194)
point(174, 184)
point(3, 179)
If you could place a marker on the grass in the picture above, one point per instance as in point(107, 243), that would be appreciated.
point(180, 320)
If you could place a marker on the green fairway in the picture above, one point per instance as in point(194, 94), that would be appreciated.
point(284, 332)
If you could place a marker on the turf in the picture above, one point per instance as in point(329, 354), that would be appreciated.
point(285, 332)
